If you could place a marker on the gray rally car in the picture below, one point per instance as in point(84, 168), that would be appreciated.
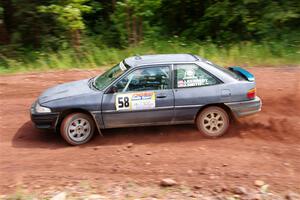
point(149, 90)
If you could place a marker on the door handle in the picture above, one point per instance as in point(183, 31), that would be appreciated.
point(160, 96)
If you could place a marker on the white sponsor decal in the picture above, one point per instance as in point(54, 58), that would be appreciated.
point(192, 82)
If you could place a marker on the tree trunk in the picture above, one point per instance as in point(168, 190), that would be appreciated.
point(4, 37)
point(134, 30)
point(75, 39)
point(113, 3)
point(8, 25)
point(140, 32)
point(36, 33)
point(128, 28)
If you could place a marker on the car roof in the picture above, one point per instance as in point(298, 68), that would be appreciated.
point(159, 58)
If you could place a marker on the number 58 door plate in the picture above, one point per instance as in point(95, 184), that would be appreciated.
point(135, 101)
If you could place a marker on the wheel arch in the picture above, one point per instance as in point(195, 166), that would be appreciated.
point(221, 105)
point(66, 112)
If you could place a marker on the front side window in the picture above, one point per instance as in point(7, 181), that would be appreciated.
point(191, 75)
point(150, 78)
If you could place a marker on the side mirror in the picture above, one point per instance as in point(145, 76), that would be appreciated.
point(113, 89)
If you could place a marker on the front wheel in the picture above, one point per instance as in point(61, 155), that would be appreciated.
point(77, 128)
point(213, 121)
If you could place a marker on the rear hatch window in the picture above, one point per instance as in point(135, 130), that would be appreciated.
point(233, 74)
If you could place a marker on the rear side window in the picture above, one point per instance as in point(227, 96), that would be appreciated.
point(192, 75)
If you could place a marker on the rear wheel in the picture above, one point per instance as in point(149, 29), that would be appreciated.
point(77, 128)
point(213, 121)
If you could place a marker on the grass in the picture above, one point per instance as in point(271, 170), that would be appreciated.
point(92, 56)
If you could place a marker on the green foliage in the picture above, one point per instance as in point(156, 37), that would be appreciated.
point(231, 20)
point(139, 7)
point(93, 56)
point(124, 22)
point(68, 13)
point(132, 18)
point(81, 33)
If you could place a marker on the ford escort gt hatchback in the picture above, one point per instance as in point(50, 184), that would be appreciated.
point(149, 90)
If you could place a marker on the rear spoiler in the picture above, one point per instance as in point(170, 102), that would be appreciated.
point(244, 73)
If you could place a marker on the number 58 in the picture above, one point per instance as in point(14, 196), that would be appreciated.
point(123, 102)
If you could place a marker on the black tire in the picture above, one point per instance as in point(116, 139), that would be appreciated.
point(213, 121)
point(77, 128)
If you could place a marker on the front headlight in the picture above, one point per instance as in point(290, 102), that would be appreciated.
point(41, 109)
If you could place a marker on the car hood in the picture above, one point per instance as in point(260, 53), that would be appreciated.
point(66, 90)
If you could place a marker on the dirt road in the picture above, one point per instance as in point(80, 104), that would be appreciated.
point(264, 147)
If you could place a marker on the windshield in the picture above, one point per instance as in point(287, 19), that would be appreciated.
point(102, 81)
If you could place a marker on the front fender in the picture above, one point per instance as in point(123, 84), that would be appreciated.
point(90, 103)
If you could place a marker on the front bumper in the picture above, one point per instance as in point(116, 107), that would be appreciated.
point(244, 108)
point(43, 120)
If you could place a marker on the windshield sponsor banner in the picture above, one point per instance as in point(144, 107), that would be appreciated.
point(122, 66)
point(135, 101)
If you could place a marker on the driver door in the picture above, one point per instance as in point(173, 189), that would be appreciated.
point(142, 97)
